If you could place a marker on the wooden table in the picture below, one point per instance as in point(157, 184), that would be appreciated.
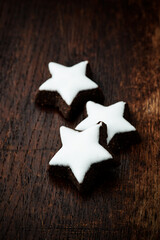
point(121, 40)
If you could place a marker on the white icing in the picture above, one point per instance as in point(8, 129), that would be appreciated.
point(80, 150)
point(112, 116)
point(68, 81)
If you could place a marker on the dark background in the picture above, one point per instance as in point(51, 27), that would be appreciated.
point(121, 40)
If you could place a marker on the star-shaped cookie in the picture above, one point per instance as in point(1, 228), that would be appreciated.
point(80, 150)
point(68, 88)
point(112, 116)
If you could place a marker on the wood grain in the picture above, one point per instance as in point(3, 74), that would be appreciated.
point(121, 40)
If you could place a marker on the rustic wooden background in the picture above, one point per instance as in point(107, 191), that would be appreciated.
point(121, 40)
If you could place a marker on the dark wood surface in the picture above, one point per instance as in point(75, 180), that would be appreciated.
point(121, 40)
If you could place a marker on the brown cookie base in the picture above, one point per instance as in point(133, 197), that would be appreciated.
point(96, 173)
point(48, 98)
point(122, 141)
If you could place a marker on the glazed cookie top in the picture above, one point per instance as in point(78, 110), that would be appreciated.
point(111, 115)
point(68, 81)
point(80, 150)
